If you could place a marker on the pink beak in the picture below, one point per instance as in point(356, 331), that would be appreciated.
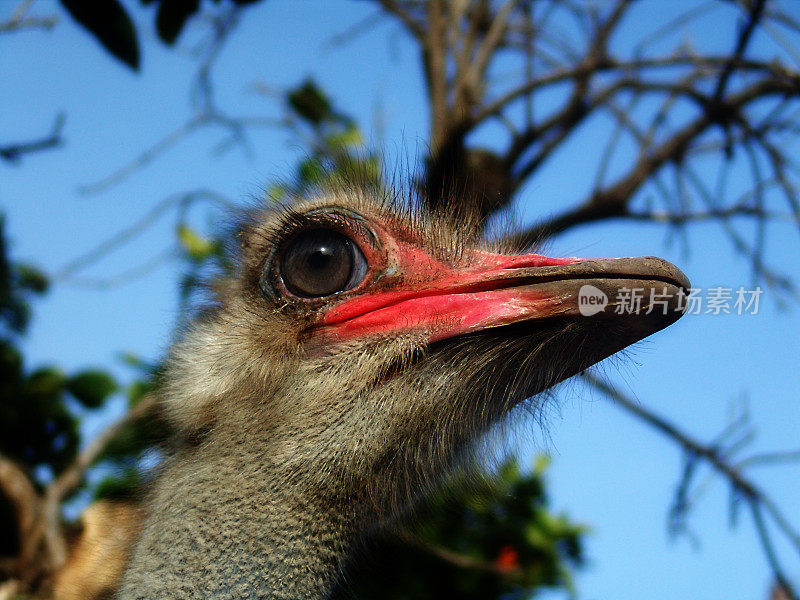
point(421, 293)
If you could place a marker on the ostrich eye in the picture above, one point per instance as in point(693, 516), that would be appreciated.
point(321, 262)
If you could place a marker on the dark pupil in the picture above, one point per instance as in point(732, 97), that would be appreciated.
point(318, 262)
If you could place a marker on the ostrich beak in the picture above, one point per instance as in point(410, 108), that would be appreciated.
point(635, 296)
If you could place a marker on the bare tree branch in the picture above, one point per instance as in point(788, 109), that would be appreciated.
point(47, 536)
point(206, 111)
point(489, 45)
point(13, 153)
point(397, 9)
point(72, 476)
point(613, 201)
point(126, 276)
point(120, 238)
point(662, 216)
point(20, 20)
point(366, 24)
point(19, 490)
point(770, 458)
point(760, 503)
point(756, 10)
point(435, 63)
point(456, 559)
point(146, 157)
point(616, 65)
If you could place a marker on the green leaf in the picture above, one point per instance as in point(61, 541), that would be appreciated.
point(31, 278)
point(17, 314)
point(91, 388)
point(310, 103)
point(136, 391)
point(124, 486)
point(541, 463)
point(277, 192)
point(369, 169)
point(133, 360)
point(351, 136)
point(108, 22)
point(10, 364)
point(197, 247)
point(311, 171)
point(137, 438)
point(172, 16)
point(45, 381)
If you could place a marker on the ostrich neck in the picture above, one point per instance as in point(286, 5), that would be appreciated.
point(270, 503)
point(228, 527)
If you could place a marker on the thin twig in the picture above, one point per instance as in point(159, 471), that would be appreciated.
point(13, 153)
point(454, 558)
point(206, 111)
point(770, 458)
point(124, 236)
point(754, 495)
point(756, 10)
point(20, 20)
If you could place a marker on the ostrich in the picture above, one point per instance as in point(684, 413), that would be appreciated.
point(355, 357)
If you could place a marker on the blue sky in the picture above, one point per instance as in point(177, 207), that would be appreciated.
point(608, 470)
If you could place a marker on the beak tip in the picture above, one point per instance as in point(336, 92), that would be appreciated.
point(669, 271)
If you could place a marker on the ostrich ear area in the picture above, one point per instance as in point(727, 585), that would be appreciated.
point(634, 297)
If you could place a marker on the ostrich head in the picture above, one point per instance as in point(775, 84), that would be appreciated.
point(354, 357)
